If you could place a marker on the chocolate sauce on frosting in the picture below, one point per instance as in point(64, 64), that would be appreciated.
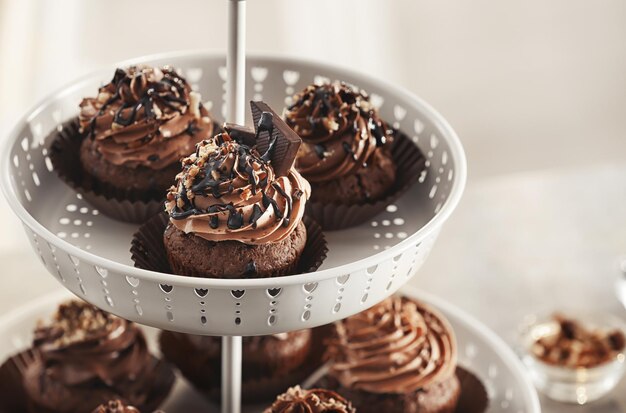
point(298, 400)
point(228, 191)
point(340, 130)
point(397, 346)
point(145, 116)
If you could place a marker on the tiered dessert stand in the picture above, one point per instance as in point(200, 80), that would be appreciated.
point(89, 253)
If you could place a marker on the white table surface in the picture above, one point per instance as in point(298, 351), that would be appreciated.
point(518, 244)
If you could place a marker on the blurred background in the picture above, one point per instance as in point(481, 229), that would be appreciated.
point(540, 83)
point(535, 89)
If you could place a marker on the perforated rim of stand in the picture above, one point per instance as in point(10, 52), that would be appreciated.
point(455, 146)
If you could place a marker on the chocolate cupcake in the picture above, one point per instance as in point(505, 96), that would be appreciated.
point(86, 357)
point(130, 138)
point(315, 400)
point(355, 163)
point(397, 357)
point(237, 201)
point(271, 363)
point(346, 146)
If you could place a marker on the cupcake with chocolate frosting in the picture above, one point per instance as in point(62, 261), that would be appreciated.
point(86, 357)
point(239, 196)
point(270, 364)
point(397, 357)
point(346, 154)
point(132, 136)
point(297, 399)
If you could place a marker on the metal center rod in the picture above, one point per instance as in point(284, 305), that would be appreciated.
point(235, 112)
point(231, 374)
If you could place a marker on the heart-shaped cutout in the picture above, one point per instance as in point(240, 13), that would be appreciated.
point(166, 288)
point(320, 80)
point(273, 292)
point(376, 100)
point(342, 279)
point(237, 293)
point(258, 73)
point(309, 287)
point(399, 112)
point(291, 77)
point(201, 292)
point(103, 272)
point(194, 74)
point(132, 281)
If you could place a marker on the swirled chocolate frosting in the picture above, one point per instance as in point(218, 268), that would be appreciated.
point(297, 400)
point(86, 347)
point(115, 406)
point(397, 346)
point(228, 191)
point(145, 116)
point(340, 130)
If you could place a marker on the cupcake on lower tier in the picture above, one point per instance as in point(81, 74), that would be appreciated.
point(355, 163)
point(84, 358)
point(297, 399)
point(397, 357)
point(130, 140)
point(270, 363)
point(237, 207)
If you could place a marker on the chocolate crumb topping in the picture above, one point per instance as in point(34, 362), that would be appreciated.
point(298, 400)
point(145, 116)
point(228, 191)
point(340, 129)
point(115, 406)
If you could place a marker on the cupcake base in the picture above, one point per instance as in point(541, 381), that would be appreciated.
point(123, 204)
point(146, 183)
point(193, 256)
point(149, 252)
point(440, 397)
point(270, 366)
point(461, 393)
point(365, 185)
point(332, 214)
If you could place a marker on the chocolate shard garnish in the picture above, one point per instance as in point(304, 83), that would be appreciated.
point(242, 134)
point(275, 141)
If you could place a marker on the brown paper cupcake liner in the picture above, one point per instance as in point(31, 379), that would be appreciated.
point(148, 250)
point(473, 398)
point(121, 204)
point(13, 397)
point(409, 162)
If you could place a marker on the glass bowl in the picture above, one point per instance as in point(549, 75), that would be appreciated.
point(578, 385)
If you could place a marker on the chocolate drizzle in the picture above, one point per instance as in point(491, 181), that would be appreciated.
point(145, 117)
point(340, 129)
point(227, 190)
